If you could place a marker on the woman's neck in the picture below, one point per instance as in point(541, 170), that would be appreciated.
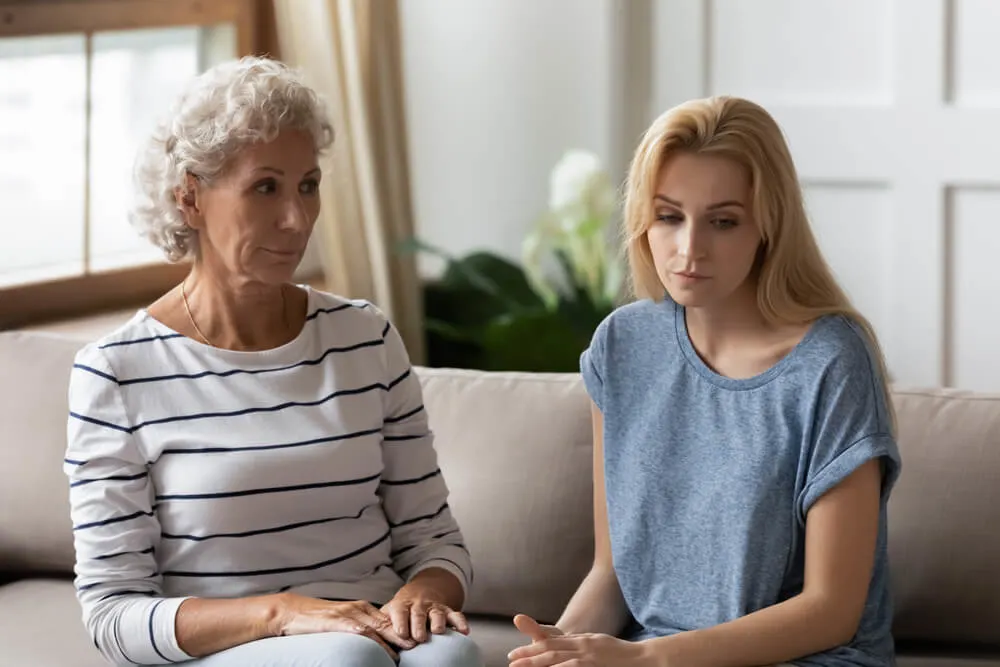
point(735, 339)
point(238, 314)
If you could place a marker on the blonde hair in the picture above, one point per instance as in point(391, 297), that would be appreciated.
point(795, 285)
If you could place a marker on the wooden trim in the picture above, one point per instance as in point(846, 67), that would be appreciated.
point(31, 17)
point(80, 295)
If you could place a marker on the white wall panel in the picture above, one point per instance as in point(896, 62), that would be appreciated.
point(974, 46)
point(974, 288)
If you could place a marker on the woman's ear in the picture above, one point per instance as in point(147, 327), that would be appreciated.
point(188, 199)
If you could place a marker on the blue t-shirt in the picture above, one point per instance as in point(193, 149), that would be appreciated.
point(709, 478)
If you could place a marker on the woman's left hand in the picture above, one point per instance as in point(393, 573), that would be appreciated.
point(416, 606)
point(589, 650)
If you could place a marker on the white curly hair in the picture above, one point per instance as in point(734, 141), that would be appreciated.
point(225, 109)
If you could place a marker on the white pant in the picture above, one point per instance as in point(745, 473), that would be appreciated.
point(340, 649)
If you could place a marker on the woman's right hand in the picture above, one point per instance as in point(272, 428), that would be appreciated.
point(300, 615)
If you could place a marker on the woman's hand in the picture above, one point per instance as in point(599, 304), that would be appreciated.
point(301, 615)
point(550, 646)
point(418, 604)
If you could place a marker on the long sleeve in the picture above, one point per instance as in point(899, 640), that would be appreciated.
point(115, 528)
point(413, 490)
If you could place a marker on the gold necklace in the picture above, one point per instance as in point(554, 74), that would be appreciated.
point(187, 309)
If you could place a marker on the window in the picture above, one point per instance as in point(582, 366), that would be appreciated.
point(84, 82)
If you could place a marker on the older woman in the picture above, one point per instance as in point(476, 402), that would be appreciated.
point(252, 477)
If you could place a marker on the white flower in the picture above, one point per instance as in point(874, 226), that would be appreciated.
point(572, 177)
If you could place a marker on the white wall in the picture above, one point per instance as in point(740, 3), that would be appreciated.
point(496, 91)
point(895, 137)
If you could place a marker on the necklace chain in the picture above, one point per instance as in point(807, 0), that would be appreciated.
point(187, 309)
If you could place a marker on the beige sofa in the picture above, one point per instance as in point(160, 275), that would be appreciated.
point(516, 452)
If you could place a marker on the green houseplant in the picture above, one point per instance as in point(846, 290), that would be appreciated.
point(488, 312)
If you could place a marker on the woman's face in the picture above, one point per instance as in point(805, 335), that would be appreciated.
point(255, 219)
point(703, 239)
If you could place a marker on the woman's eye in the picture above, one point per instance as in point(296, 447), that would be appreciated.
point(724, 223)
point(669, 218)
point(265, 187)
point(309, 187)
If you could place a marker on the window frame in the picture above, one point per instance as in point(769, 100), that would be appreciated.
point(96, 291)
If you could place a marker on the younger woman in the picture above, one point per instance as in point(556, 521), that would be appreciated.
point(744, 440)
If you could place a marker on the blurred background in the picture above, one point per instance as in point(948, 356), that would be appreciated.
point(472, 191)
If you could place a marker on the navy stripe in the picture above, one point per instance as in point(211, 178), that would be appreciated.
point(141, 340)
point(115, 478)
point(87, 587)
point(399, 552)
point(386, 330)
point(399, 379)
point(107, 522)
point(403, 550)
point(273, 489)
point(237, 413)
point(273, 408)
point(118, 594)
point(96, 372)
point(407, 415)
point(335, 309)
point(152, 636)
point(282, 570)
point(74, 462)
point(118, 640)
point(414, 480)
point(177, 335)
point(446, 534)
point(241, 371)
point(123, 553)
point(254, 448)
point(418, 519)
point(262, 531)
point(91, 420)
point(400, 438)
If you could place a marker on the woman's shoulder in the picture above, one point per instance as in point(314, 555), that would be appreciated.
point(633, 321)
point(840, 347)
point(345, 311)
point(133, 336)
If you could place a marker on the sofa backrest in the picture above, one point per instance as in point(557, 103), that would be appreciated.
point(35, 529)
point(515, 450)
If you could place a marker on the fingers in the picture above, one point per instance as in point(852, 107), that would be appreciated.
point(418, 623)
point(541, 652)
point(457, 620)
point(549, 659)
point(438, 616)
point(399, 614)
point(382, 625)
point(530, 627)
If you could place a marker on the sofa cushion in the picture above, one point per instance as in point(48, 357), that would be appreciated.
point(516, 452)
point(41, 626)
point(944, 518)
point(35, 529)
point(496, 637)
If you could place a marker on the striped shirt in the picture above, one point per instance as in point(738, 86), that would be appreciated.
point(198, 471)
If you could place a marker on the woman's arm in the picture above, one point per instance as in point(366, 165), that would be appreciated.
point(598, 605)
point(414, 494)
point(207, 626)
point(841, 534)
point(115, 530)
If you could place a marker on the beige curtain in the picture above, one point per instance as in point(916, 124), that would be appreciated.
point(350, 51)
